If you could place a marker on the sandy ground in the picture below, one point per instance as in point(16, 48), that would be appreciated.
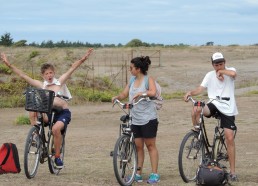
point(94, 129)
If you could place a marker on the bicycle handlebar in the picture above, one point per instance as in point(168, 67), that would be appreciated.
point(202, 103)
point(131, 104)
point(62, 96)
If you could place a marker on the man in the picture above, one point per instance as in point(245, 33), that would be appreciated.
point(220, 83)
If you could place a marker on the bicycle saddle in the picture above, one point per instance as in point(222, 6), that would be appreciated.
point(124, 118)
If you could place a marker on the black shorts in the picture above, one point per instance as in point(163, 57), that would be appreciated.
point(226, 121)
point(148, 130)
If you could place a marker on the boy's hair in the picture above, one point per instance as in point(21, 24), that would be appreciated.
point(46, 66)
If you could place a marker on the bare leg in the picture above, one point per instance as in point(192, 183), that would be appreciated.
point(33, 118)
point(229, 136)
point(140, 152)
point(57, 127)
point(153, 152)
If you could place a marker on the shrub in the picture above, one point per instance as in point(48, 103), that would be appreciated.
point(22, 120)
point(4, 69)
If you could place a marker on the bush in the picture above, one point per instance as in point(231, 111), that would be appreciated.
point(22, 120)
point(5, 69)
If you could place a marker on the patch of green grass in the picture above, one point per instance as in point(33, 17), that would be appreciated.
point(247, 83)
point(254, 92)
point(82, 94)
point(12, 101)
point(33, 54)
point(22, 120)
point(5, 69)
point(174, 95)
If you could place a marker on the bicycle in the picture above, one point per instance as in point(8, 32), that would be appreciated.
point(195, 147)
point(125, 159)
point(39, 145)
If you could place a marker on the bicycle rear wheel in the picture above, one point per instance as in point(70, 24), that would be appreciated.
point(190, 156)
point(220, 151)
point(32, 152)
point(125, 160)
point(51, 154)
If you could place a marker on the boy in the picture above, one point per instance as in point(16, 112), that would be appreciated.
point(57, 85)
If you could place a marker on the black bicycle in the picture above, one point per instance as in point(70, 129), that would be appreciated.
point(39, 146)
point(125, 153)
point(195, 147)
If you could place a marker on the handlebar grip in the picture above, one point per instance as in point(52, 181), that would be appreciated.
point(62, 96)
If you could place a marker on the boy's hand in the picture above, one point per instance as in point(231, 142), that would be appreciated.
point(4, 59)
point(86, 56)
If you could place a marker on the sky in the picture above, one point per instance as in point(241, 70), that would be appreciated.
point(169, 22)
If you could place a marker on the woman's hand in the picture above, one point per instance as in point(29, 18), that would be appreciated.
point(114, 98)
point(138, 95)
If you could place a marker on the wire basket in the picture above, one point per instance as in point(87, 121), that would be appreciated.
point(39, 100)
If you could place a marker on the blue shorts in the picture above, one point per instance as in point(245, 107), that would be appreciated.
point(63, 116)
point(148, 130)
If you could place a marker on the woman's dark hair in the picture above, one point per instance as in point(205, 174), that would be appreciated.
point(142, 63)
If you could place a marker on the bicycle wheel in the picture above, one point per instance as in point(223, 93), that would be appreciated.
point(32, 153)
point(220, 151)
point(190, 156)
point(51, 154)
point(125, 160)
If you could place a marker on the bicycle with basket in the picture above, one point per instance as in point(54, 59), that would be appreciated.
point(39, 145)
point(196, 150)
point(125, 153)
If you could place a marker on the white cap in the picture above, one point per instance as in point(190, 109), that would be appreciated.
point(217, 57)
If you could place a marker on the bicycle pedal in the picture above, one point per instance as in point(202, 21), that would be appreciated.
point(111, 153)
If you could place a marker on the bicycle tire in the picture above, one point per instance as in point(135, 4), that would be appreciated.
point(190, 156)
point(220, 151)
point(51, 154)
point(32, 153)
point(125, 160)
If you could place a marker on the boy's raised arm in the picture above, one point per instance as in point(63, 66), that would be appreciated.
point(33, 82)
point(74, 66)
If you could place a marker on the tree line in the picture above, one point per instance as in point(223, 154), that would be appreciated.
point(7, 40)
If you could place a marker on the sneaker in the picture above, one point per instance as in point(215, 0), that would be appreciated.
point(153, 178)
point(58, 163)
point(138, 178)
point(233, 178)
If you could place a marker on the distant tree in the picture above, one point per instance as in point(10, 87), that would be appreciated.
point(20, 43)
point(6, 40)
point(135, 43)
point(119, 45)
point(210, 43)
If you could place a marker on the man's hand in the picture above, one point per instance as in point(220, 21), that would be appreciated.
point(220, 76)
point(186, 96)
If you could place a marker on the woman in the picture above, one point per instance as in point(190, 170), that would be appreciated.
point(144, 115)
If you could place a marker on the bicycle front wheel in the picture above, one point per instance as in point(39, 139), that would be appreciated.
point(125, 160)
point(51, 154)
point(32, 153)
point(190, 156)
